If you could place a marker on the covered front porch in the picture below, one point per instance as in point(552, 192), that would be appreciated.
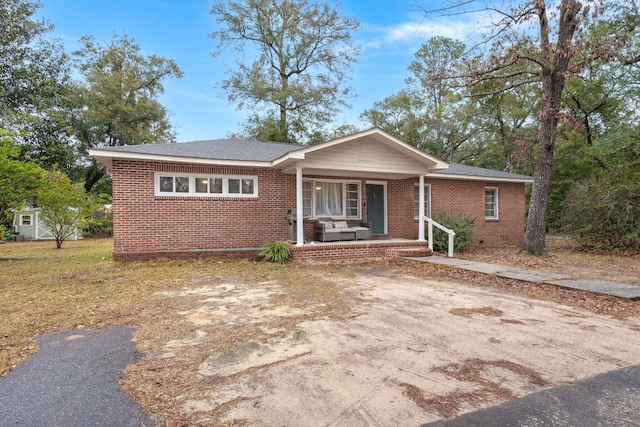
point(369, 178)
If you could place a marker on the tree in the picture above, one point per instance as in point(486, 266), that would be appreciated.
point(65, 205)
point(399, 114)
point(19, 180)
point(34, 78)
point(117, 104)
point(602, 210)
point(433, 69)
point(532, 45)
point(431, 113)
point(298, 77)
point(505, 127)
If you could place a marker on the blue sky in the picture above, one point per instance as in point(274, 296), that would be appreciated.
point(392, 31)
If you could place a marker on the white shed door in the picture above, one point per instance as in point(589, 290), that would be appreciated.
point(42, 230)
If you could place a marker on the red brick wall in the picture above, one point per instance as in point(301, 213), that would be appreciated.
point(461, 196)
point(468, 197)
point(145, 224)
point(345, 251)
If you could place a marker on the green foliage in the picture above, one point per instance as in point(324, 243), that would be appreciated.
point(4, 233)
point(298, 75)
point(34, 77)
point(65, 206)
point(276, 252)
point(461, 224)
point(19, 179)
point(603, 211)
point(399, 114)
point(117, 104)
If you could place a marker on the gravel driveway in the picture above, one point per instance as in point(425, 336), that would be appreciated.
point(417, 351)
point(412, 352)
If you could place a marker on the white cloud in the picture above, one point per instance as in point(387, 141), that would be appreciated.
point(419, 29)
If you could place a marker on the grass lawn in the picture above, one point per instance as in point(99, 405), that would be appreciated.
point(44, 289)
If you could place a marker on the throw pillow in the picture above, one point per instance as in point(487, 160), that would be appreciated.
point(340, 224)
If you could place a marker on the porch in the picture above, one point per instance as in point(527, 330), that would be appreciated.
point(359, 249)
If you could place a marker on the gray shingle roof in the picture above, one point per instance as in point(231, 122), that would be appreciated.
point(464, 170)
point(220, 149)
point(263, 151)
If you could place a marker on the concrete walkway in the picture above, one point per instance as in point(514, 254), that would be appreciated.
point(621, 290)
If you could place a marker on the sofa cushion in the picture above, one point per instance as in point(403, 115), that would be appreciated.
point(327, 224)
point(340, 224)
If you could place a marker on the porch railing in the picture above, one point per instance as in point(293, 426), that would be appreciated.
point(451, 233)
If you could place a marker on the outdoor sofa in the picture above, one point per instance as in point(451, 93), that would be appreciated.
point(337, 231)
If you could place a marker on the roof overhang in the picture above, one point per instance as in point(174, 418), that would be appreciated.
point(105, 157)
point(479, 178)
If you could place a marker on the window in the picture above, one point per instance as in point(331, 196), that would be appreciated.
point(329, 199)
point(336, 199)
point(200, 185)
point(491, 203)
point(307, 198)
point(353, 200)
point(26, 220)
point(427, 200)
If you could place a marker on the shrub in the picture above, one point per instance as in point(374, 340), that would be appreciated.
point(461, 224)
point(602, 212)
point(276, 252)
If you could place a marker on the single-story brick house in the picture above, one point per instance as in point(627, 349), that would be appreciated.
point(231, 197)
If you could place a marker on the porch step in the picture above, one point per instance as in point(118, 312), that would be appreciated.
point(409, 252)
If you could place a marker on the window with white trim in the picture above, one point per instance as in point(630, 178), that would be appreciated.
point(331, 198)
point(307, 199)
point(26, 220)
point(491, 202)
point(202, 185)
point(416, 200)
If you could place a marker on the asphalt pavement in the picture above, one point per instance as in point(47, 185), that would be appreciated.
point(72, 381)
point(607, 400)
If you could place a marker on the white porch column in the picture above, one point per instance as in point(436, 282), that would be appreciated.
point(299, 218)
point(421, 209)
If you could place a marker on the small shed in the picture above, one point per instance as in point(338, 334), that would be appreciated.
point(29, 224)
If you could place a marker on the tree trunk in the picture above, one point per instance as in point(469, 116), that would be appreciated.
point(554, 67)
point(93, 174)
point(534, 238)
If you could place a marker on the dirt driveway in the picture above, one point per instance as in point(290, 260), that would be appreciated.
point(412, 351)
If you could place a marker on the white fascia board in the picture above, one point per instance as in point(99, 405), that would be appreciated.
point(289, 157)
point(110, 155)
point(479, 178)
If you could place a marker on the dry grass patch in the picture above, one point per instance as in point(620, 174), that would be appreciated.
point(172, 304)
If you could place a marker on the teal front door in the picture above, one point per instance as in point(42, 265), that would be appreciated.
point(375, 208)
